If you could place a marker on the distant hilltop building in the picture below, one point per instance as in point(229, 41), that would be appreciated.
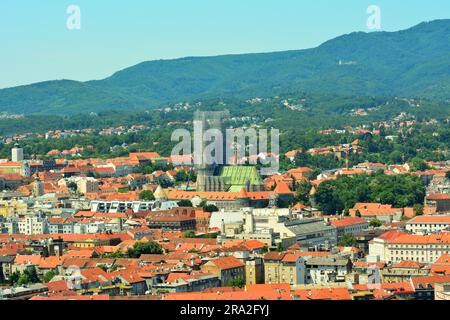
point(16, 153)
point(346, 63)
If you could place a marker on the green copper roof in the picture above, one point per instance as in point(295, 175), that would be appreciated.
point(235, 188)
point(237, 176)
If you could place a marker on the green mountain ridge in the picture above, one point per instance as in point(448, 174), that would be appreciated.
point(411, 63)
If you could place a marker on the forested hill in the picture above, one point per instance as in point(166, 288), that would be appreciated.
point(409, 63)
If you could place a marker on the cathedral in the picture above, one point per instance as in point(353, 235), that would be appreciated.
point(221, 177)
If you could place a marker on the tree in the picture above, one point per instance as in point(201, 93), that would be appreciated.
point(210, 208)
point(419, 165)
point(116, 255)
point(189, 234)
point(211, 235)
point(312, 175)
point(418, 209)
point(280, 247)
point(358, 213)
point(185, 203)
point(327, 197)
point(103, 267)
point(375, 223)
point(146, 195)
point(163, 181)
point(347, 240)
point(28, 276)
point(302, 193)
point(13, 278)
point(140, 248)
point(397, 190)
point(48, 276)
point(447, 174)
point(73, 186)
point(32, 274)
point(238, 282)
point(181, 176)
point(396, 157)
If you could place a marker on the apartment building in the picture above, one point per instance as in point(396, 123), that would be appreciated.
point(428, 224)
point(424, 287)
point(61, 225)
point(254, 271)
point(419, 248)
point(33, 224)
point(87, 185)
point(440, 200)
point(283, 268)
point(378, 246)
point(403, 271)
point(226, 269)
point(325, 270)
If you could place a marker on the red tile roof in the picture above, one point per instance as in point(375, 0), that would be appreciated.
point(346, 222)
point(430, 219)
point(391, 235)
point(420, 239)
point(227, 263)
point(409, 265)
point(428, 281)
point(323, 294)
point(438, 196)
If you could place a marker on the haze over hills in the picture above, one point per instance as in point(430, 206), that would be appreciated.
point(410, 63)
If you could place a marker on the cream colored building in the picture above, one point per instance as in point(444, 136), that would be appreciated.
point(378, 247)
point(32, 224)
point(428, 224)
point(420, 248)
point(274, 227)
point(265, 225)
point(87, 185)
point(283, 268)
point(12, 207)
point(442, 291)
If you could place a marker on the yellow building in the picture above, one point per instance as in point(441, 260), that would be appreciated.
point(12, 168)
point(254, 271)
point(283, 268)
point(90, 243)
point(11, 207)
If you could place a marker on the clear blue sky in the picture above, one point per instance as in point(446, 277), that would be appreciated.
point(35, 44)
